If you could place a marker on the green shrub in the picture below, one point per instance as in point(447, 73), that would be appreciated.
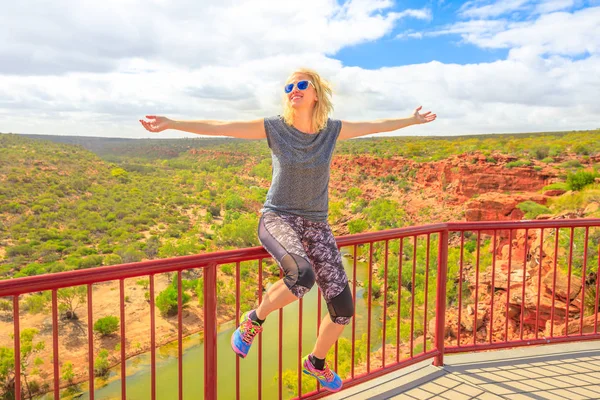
point(91, 261)
point(580, 179)
point(557, 186)
point(67, 372)
point(112, 259)
point(532, 209)
point(263, 169)
point(353, 193)
point(36, 303)
point(518, 163)
point(571, 164)
point(541, 152)
point(385, 213)
point(166, 301)
point(144, 283)
point(107, 325)
point(101, 364)
point(239, 232)
point(357, 226)
point(6, 305)
point(234, 202)
point(214, 210)
point(227, 269)
point(581, 148)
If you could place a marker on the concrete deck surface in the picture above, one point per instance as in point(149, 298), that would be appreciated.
point(564, 371)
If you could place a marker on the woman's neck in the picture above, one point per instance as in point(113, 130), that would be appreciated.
point(303, 121)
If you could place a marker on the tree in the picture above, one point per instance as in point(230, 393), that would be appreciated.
point(67, 372)
point(7, 361)
point(166, 301)
point(107, 325)
point(70, 299)
point(101, 364)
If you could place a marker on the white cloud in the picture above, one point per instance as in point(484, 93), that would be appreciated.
point(97, 72)
point(475, 9)
point(558, 33)
point(95, 36)
point(553, 5)
point(495, 8)
point(423, 13)
point(410, 34)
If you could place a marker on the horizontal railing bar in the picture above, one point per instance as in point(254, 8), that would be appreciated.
point(520, 343)
point(388, 234)
point(59, 280)
point(531, 224)
point(17, 286)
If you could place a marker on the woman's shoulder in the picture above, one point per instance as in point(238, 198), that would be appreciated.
point(333, 123)
point(274, 118)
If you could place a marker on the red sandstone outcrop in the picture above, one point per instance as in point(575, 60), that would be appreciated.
point(498, 206)
point(523, 269)
point(481, 187)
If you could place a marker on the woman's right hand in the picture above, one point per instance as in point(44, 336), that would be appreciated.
point(156, 123)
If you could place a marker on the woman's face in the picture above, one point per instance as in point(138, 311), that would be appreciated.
point(301, 99)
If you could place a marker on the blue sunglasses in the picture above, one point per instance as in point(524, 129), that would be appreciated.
point(302, 85)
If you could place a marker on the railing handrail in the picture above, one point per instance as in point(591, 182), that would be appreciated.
point(28, 284)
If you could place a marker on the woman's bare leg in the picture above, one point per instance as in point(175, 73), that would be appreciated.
point(276, 297)
point(329, 332)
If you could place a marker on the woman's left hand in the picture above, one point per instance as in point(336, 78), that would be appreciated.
point(423, 118)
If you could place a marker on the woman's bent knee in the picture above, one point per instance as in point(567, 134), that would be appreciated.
point(341, 307)
point(299, 275)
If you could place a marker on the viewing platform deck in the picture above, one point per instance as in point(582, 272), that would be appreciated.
point(563, 371)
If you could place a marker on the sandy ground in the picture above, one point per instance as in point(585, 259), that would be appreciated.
point(73, 336)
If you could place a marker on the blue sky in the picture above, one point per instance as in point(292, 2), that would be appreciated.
point(483, 66)
point(390, 51)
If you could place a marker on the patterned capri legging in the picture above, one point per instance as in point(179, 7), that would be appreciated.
point(306, 252)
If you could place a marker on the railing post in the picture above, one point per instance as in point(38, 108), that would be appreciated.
point(210, 332)
point(440, 303)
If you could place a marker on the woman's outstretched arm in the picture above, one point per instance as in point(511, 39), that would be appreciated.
point(355, 129)
point(254, 129)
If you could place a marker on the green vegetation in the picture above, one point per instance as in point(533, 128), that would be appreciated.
point(67, 372)
point(557, 186)
point(527, 146)
point(7, 363)
point(107, 325)
point(167, 301)
point(101, 365)
point(581, 179)
point(63, 207)
point(518, 163)
point(70, 299)
point(575, 200)
point(532, 209)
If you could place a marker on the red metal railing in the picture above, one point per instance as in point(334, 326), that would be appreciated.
point(451, 239)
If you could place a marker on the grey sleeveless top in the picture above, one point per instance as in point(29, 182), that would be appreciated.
point(301, 162)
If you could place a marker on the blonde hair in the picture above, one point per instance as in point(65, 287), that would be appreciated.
point(322, 107)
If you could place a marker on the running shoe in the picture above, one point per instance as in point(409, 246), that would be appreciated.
point(242, 338)
point(326, 377)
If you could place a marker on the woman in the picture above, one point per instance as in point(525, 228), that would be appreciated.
point(293, 226)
